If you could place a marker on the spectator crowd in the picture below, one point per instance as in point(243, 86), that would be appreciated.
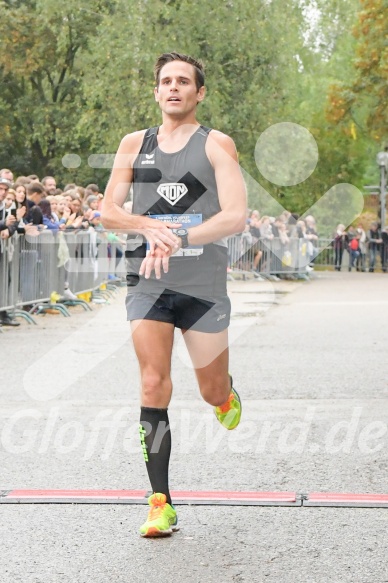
point(29, 206)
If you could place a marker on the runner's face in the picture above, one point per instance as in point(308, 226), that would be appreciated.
point(177, 92)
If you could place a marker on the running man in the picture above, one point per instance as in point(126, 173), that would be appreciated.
point(188, 196)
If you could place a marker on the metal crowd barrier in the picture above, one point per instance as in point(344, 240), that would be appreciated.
point(269, 256)
point(296, 257)
point(32, 268)
point(9, 272)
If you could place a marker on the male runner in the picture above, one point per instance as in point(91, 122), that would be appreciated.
point(187, 175)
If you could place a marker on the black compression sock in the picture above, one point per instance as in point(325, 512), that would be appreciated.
point(155, 438)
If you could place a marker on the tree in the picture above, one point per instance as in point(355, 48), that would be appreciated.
point(364, 100)
point(41, 78)
point(248, 49)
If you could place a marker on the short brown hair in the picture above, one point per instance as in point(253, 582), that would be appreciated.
point(93, 187)
point(36, 187)
point(168, 57)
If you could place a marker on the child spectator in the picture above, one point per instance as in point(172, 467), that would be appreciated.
point(93, 189)
point(92, 202)
point(63, 210)
point(10, 202)
point(361, 259)
point(353, 246)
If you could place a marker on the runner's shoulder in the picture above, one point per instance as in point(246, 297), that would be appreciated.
point(132, 141)
point(220, 139)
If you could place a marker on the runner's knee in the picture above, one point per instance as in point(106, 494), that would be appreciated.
point(215, 390)
point(155, 387)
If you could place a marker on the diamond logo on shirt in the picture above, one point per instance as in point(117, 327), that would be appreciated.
point(172, 191)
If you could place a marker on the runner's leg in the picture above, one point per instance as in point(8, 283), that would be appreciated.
point(153, 345)
point(209, 354)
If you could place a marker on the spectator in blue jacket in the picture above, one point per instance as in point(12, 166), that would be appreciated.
point(49, 221)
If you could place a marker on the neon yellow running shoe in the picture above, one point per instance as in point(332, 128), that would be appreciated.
point(229, 414)
point(162, 519)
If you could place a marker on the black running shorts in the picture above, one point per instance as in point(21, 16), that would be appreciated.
point(181, 310)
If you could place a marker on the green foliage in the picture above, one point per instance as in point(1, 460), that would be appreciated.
point(41, 80)
point(364, 99)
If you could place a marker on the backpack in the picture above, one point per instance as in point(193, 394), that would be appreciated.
point(353, 245)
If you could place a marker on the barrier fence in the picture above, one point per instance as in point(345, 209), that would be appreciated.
point(32, 268)
point(297, 256)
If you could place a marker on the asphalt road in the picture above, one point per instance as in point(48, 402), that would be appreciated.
point(310, 361)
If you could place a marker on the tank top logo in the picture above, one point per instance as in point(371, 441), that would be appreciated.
point(172, 192)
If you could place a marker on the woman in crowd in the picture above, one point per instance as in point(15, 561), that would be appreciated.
point(339, 246)
point(75, 203)
point(48, 219)
point(21, 205)
point(54, 206)
point(21, 191)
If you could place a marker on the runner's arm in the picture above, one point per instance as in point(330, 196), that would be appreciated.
point(114, 217)
point(232, 196)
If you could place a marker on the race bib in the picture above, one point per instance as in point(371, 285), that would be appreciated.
point(187, 221)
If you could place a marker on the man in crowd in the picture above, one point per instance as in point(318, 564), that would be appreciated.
point(49, 184)
point(35, 193)
point(375, 241)
point(7, 174)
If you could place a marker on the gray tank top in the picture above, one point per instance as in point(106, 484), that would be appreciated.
point(157, 174)
point(178, 183)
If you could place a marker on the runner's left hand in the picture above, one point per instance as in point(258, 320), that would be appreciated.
point(155, 262)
